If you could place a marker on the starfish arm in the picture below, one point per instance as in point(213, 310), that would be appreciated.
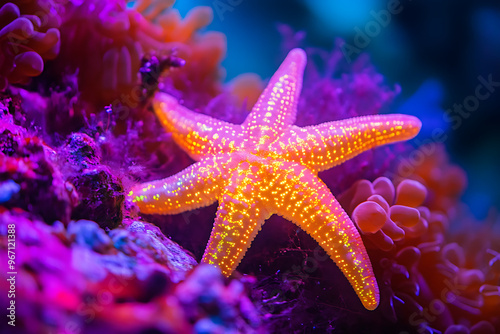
point(276, 108)
point(324, 146)
point(197, 134)
point(239, 219)
point(306, 201)
point(194, 187)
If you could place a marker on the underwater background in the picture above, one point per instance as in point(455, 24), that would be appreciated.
point(78, 131)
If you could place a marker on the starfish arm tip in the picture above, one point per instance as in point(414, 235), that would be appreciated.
point(298, 54)
point(409, 120)
point(414, 124)
point(372, 301)
point(162, 99)
point(415, 121)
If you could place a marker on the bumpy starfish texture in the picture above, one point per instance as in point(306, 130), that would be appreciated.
point(269, 166)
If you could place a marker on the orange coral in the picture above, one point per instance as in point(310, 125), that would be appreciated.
point(29, 35)
point(385, 214)
point(445, 181)
point(246, 88)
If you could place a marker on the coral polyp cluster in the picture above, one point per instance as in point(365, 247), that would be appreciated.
point(433, 277)
point(29, 36)
point(386, 214)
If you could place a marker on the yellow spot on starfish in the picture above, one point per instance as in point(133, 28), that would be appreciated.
point(267, 165)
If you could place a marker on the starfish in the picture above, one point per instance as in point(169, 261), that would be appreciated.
point(269, 166)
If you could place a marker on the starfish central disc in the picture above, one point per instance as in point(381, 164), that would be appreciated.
point(269, 166)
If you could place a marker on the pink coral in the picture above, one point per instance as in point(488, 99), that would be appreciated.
point(132, 280)
point(386, 214)
point(29, 35)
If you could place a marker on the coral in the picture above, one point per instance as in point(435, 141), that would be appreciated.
point(132, 280)
point(109, 270)
point(445, 181)
point(342, 90)
point(385, 214)
point(100, 191)
point(101, 196)
point(114, 37)
point(335, 88)
point(29, 35)
point(151, 69)
point(65, 112)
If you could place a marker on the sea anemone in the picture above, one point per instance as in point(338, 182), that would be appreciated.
point(114, 37)
point(385, 214)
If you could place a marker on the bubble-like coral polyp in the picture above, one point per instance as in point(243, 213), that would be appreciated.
point(267, 165)
point(29, 35)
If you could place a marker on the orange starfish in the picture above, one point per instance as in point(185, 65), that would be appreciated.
point(267, 165)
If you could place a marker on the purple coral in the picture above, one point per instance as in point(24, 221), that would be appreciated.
point(29, 177)
point(132, 280)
